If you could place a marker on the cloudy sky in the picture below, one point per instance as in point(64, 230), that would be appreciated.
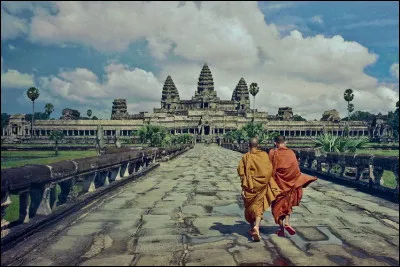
point(302, 54)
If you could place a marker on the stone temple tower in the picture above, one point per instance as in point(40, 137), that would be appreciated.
point(241, 95)
point(205, 86)
point(119, 109)
point(205, 95)
point(170, 95)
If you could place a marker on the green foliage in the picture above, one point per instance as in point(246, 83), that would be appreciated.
point(33, 93)
point(348, 95)
point(297, 117)
point(5, 118)
point(248, 131)
point(38, 116)
point(152, 134)
point(56, 136)
point(361, 116)
point(49, 108)
point(254, 89)
point(393, 120)
point(157, 136)
point(94, 118)
point(330, 143)
point(89, 113)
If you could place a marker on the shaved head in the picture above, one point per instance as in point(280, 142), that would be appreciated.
point(253, 142)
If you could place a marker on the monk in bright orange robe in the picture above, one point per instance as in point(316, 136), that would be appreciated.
point(291, 181)
point(258, 187)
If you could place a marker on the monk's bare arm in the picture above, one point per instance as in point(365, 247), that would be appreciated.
point(241, 171)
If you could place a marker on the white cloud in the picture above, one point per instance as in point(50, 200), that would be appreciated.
point(394, 70)
point(82, 86)
point(12, 26)
point(15, 80)
point(318, 19)
point(15, 7)
point(275, 6)
point(376, 23)
point(11, 47)
point(307, 73)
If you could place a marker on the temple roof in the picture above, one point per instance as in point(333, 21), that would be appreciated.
point(169, 88)
point(206, 82)
point(241, 89)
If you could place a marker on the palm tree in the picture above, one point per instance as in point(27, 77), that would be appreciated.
point(33, 94)
point(56, 136)
point(348, 97)
point(89, 113)
point(49, 108)
point(254, 91)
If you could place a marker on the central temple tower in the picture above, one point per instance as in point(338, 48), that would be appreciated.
point(205, 96)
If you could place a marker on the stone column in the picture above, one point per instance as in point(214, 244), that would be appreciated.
point(5, 202)
point(113, 175)
point(24, 206)
point(88, 182)
point(66, 187)
point(42, 199)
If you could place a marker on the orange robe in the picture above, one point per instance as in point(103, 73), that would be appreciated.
point(291, 181)
point(255, 171)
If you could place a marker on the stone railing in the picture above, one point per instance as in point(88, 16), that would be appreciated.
point(92, 176)
point(360, 170)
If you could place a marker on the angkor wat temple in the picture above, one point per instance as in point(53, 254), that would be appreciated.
point(205, 115)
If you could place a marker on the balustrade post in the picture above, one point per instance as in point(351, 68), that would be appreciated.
point(101, 179)
point(5, 202)
point(113, 175)
point(360, 172)
point(42, 197)
point(66, 187)
point(24, 206)
point(376, 175)
point(88, 182)
point(123, 172)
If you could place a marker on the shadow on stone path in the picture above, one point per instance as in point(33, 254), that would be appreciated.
point(187, 212)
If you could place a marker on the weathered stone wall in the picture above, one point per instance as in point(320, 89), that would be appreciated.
point(360, 170)
point(38, 183)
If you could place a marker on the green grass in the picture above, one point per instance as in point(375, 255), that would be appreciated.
point(378, 152)
point(389, 180)
point(12, 212)
point(20, 158)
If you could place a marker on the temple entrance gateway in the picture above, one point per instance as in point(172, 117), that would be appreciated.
point(206, 129)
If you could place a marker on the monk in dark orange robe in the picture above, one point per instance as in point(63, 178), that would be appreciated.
point(258, 187)
point(291, 181)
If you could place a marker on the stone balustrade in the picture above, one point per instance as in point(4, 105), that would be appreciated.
point(363, 171)
point(36, 184)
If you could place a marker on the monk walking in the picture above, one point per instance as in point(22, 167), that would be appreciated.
point(258, 187)
point(291, 181)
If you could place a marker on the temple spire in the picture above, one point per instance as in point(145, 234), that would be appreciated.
point(206, 82)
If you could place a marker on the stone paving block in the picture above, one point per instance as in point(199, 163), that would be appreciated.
point(85, 228)
point(159, 259)
point(156, 243)
point(65, 243)
point(40, 261)
point(116, 260)
point(214, 257)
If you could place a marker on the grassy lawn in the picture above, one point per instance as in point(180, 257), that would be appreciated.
point(378, 152)
point(12, 212)
point(389, 180)
point(11, 159)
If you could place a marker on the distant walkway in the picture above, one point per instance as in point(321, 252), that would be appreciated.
point(188, 212)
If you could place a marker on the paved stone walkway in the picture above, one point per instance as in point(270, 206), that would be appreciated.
point(188, 212)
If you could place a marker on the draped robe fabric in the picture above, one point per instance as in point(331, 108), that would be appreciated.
point(255, 171)
point(291, 181)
